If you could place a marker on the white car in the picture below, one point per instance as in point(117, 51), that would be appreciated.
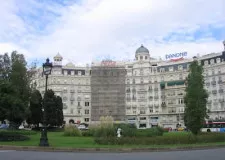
point(82, 127)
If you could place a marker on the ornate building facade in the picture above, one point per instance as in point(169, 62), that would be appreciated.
point(146, 92)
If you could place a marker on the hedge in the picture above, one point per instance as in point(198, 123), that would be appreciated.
point(162, 140)
point(17, 132)
point(12, 136)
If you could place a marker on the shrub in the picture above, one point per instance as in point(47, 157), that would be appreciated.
point(12, 136)
point(163, 140)
point(50, 129)
point(105, 132)
point(87, 133)
point(72, 131)
point(151, 132)
point(18, 132)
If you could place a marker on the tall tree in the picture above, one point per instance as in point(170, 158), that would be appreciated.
point(5, 66)
point(14, 88)
point(36, 114)
point(11, 107)
point(19, 77)
point(195, 99)
point(59, 109)
point(53, 107)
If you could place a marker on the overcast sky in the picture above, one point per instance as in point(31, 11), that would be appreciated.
point(86, 30)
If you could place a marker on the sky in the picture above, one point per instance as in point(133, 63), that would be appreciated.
point(83, 31)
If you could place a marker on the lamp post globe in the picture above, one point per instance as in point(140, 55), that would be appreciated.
point(47, 69)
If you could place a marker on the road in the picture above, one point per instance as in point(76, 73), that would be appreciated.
point(217, 154)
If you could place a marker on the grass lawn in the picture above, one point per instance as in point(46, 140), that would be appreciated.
point(56, 139)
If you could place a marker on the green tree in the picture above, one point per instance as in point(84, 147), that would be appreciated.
point(5, 66)
point(59, 109)
point(195, 99)
point(54, 108)
point(15, 88)
point(36, 114)
point(11, 107)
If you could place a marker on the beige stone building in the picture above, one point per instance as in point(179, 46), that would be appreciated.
point(153, 91)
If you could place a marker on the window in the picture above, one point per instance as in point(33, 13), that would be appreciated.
point(71, 102)
point(128, 81)
point(86, 103)
point(146, 57)
point(78, 111)
point(78, 103)
point(218, 60)
point(180, 101)
point(71, 111)
point(170, 69)
point(213, 72)
point(206, 62)
point(212, 61)
point(141, 57)
point(142, 118)
point(162, 69)
point(133, 81)
point(142, 81)
point(180, 67)
point(180, 76)
point(86, 111)
point(86, 119)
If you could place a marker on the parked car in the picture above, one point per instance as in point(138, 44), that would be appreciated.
point(82, 127)
point(4, 126)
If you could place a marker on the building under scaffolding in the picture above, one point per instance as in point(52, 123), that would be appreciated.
point(108, 90)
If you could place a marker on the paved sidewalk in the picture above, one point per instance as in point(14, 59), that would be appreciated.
point(123, 150)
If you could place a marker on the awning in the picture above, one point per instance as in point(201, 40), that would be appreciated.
point(173, 83)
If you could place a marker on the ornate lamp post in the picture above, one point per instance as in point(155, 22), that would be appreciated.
point(47, 69)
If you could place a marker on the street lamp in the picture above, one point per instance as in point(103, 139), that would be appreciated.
point(47, 69)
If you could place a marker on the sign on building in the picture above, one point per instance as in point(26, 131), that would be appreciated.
point(176, 55)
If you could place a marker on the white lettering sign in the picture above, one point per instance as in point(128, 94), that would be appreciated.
point(176, 55)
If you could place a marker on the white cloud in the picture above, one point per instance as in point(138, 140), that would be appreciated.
point(95, 28)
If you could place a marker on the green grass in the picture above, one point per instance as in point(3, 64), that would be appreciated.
point(56, 139)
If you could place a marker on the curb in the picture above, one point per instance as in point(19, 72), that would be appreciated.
point(89, 150)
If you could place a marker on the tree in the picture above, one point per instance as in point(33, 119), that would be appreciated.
point(195, 99)
point(36, 114)
point(53, 108)
point(59, 109)
point(12, 108)
point(5, 66)
point(14, 88)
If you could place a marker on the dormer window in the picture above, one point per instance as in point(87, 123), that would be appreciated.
point(218, 60)
point(206, 62)
point(212, 61)
point(170, 69)
point(146, 57)
point(180, 67)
